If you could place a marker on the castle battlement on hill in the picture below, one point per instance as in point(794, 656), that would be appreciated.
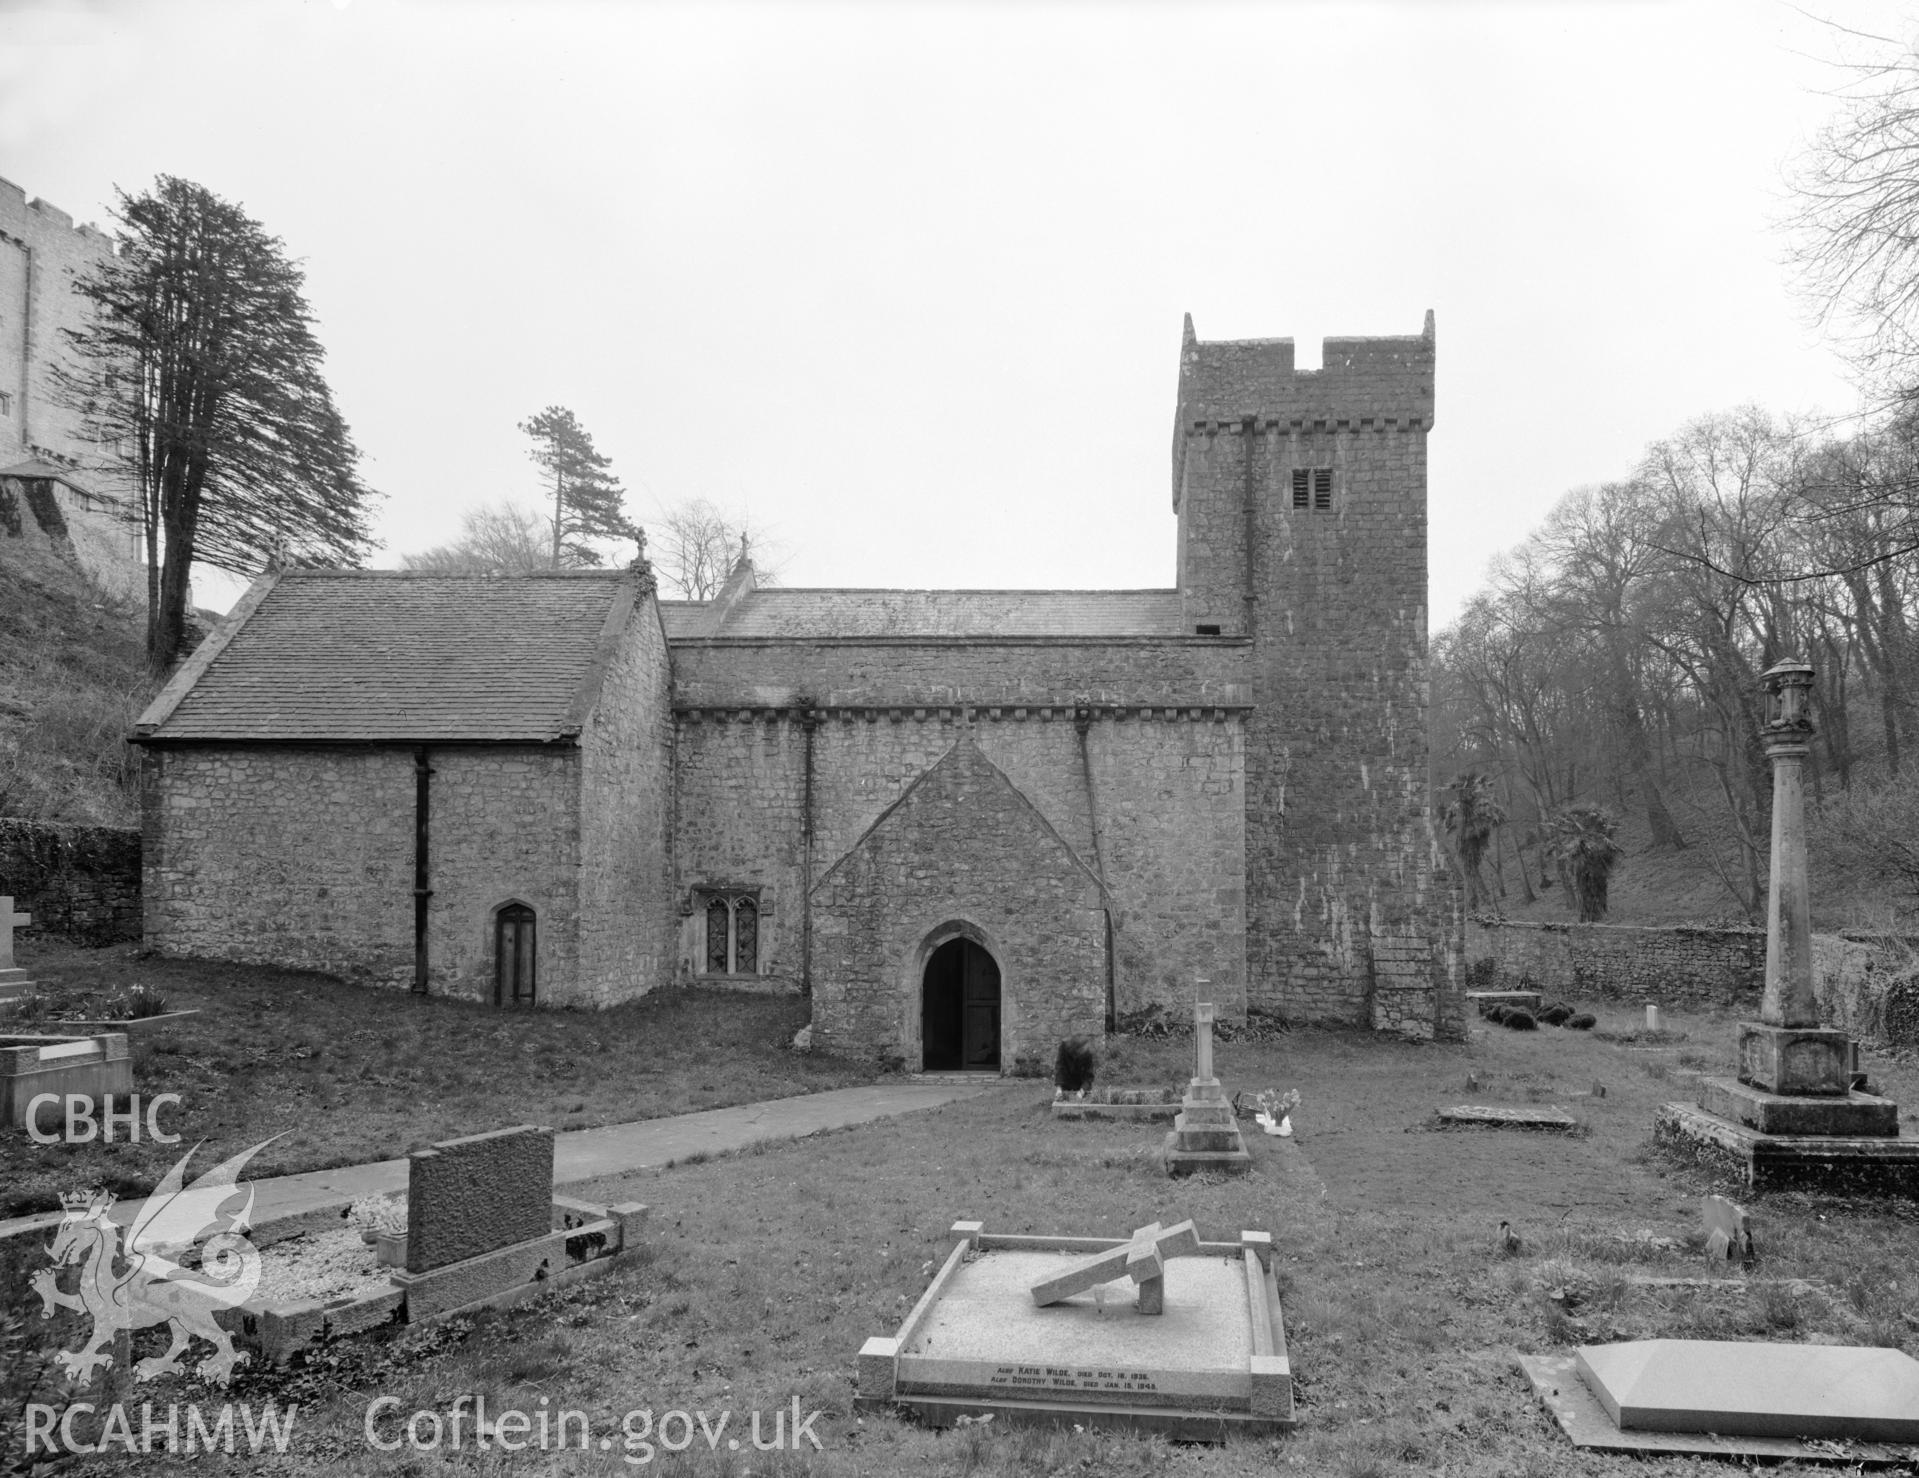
point(74, 488)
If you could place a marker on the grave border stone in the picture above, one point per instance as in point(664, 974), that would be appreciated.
point(886, 1367)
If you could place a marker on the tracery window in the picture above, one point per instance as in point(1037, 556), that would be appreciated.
point(732, 936)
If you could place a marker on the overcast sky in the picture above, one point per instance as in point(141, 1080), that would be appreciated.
point(904, 282)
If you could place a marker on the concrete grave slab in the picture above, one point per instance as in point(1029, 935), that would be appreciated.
point(1750, 1389)
point(1212, 1360)
point(1507, 1116)
point(1555, 1380)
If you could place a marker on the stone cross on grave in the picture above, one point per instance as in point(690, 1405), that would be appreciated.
point(1203, 1042)
point(8, 919)
point(1142, 1258)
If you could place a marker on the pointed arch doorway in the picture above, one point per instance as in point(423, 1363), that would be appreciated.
point(959, 1009)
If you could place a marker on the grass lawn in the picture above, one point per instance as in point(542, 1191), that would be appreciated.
point(769, 1268)
point(351, 1073)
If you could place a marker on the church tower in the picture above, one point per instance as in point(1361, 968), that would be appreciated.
point(1301, 498)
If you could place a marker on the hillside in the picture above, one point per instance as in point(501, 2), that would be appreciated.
point(72, 680)
point(1685, 887)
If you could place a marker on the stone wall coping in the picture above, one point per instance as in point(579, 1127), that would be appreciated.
point(1040, 639)
point(947, 712)
point(1567, 926)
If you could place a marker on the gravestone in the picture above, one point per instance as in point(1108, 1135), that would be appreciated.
point(1728, 1229)
point(14, 981)
point(1205, 1133)
point(475, 1195)
point(1019, 1327)
point(1746, 1389)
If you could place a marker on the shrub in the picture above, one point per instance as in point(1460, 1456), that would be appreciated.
point(1557, 1014)
point(1585, 1021)
point(1075, 1065)
point(1519, 1019)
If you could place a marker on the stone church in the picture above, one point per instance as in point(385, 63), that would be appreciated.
point(967, 822)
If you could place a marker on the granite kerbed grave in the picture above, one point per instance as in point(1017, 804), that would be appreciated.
point(1736, 1398)
point(1127, 1105)
point(61, 1064)
point(1158, 1331)
point(1505, 1116)
point(484, 1229)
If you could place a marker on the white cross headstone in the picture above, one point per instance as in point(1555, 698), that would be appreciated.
point(1203, 1042)
point(8, 919)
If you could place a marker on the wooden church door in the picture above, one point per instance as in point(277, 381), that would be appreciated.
point(959, 1020)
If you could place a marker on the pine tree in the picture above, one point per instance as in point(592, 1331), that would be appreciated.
point(587, 497)
point(200, 360)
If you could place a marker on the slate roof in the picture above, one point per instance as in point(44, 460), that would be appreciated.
point(378, 655)
point(780, 612)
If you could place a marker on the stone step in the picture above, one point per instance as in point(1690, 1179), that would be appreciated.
point(1778, 1113)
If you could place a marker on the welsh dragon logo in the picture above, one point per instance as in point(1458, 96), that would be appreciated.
point(153, 1288)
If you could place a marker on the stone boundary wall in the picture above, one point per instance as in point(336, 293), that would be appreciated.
point(1618, 962)
point(80, 882)
point(1868, 984)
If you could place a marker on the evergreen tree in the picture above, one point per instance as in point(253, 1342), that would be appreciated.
point(201, 362)
point(1585, 849)
point(587, 497)
point(1472, 814)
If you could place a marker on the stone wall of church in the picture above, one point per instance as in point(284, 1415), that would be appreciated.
point(999, 671)
point(963, 852)
point(304, 858)
point(627, 917)
point(1167, 792)
point(301, 858)
point(506, 828)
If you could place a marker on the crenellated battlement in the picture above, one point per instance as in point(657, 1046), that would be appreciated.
point(43, 217)
point(1362, 383)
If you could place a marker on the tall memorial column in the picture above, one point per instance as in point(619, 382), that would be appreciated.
point(1792, 1117)
point(1787, 1051)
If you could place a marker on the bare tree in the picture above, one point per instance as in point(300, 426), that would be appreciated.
point(1858, 189)
point(499, 538)
point(695, 545)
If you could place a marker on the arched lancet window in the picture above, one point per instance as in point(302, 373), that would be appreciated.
point(731, 945)
point(746, 937)
point(515, 956)
point(718, 932)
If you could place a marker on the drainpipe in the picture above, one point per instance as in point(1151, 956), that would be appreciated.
point(809, 726)
point(422, 794)
point(1082, 722)
point(1249, 434)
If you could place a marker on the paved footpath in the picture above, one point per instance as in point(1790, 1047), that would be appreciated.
point(612, 1149)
